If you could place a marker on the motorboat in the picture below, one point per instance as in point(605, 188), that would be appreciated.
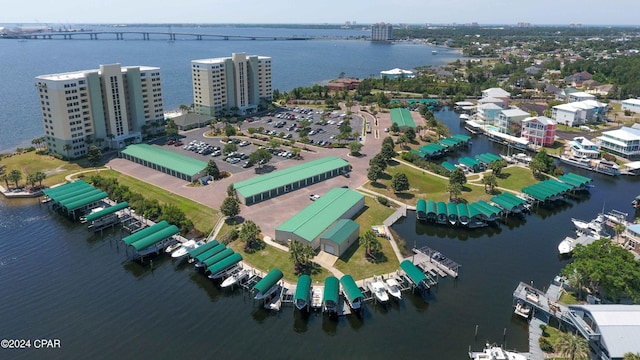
point(595, 226)
point(317, 293)
point(83, 219)
point(616, 217)
point(378, 290)
point(173, 247)
point(522, 309)
point(393, 288)
point(235, 278)
point(266, 294)
point(184, 249)
point(566, 245)
point(495, 352)
point(636, 202)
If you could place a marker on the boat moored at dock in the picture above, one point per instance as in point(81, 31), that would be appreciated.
point(495, 352)
point(393, 288)
point(378, 290)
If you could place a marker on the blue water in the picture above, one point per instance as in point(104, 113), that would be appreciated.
point(295, 63)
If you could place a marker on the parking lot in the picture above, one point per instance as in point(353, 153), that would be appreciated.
point(282, 125)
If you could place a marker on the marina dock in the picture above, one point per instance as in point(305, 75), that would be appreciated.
point(434, 261)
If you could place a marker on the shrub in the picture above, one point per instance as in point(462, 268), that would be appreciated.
point(545, 345)
point(383, 200)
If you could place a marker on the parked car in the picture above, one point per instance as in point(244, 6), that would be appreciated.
point(314, 197)
point(244, 143)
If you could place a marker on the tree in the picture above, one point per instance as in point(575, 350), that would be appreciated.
point(395, 128)
point(5, 178)
point(301, 254)
point(378, 160)
point(410, 133)
point(40, 176)
point(260, 157)
point(212, 170)
point(229, 130)
point(400, 182)
point(631, 356)
point(66, 148)
point(354, 148)
point(249, 233)
point(374, 173)
point(388, 140)
point(230, 207)
point(31, 180)
point(455, 190)
point(171, 128)
point(497, 166)
point(229, 148)
point(15, 176)
point(572, 347)
point(458, 176)
point(231, 191)
point(387, 152)
point(370, 242)
point(403, 139)
point(490, 181)
point(94, 156)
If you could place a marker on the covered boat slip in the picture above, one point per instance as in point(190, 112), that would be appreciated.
point(452, 213)
point(430, 150)
point(470, 163)
point(77, 195)
point(212, 260)
point(200, 249)
point(487, 158)
point(351, 291)
point(441, 211)
point(432, 212)
point(145, 232)
point(575, 180)
point(509, 203)
point(421, 210)
point(269, 281)
point(414, 274)
point(448, 166)
point(211, 252)
point(547, 190)
point(107, 211)
point(303, 289)
point(155, 238)
point(331, 293)
point(219, 269)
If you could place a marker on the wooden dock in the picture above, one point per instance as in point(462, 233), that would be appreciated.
point(437, 261)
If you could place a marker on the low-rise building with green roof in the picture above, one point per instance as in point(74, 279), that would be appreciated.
point(308, 225)
point(337, 238)
point(168, 162)
point(280, 182)
point(402, 117)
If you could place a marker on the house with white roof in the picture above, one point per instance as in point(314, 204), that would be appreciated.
point(583, 147)
point(488, 112)
point(397, 73)
point(624, 142)
point(611, 329)
point(509, 121)
point(579, 96)
point(578, 113)
point(539, 130)
point(632, 105)
point(497, 93)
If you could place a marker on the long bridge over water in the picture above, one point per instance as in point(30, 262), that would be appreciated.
point(137, 34)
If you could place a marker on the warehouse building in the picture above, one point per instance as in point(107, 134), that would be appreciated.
point(280, 182)
point(168, 162)
point(320, 225)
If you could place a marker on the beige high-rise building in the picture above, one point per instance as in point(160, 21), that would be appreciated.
point(110, 107)
point(381, 32)
point(239, 84)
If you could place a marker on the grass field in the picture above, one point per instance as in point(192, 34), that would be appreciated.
point(203, 217)
point(31, 162)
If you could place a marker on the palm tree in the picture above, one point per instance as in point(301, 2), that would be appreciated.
point(370, 242)
point(15, 176)
point(39, 175)
point(631, 356)
point(66, 147)
point(5, 178)
point(619, 229)
point(572, 347)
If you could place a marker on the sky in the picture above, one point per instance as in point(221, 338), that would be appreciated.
point(536, 12)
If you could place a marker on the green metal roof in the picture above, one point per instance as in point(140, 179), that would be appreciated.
point(421, 206)
point(155, 238)
point(211, 252)
point(431, 149)
point(487, 209)
point(462, 210)
point(449, 142)
point(513, 198)
point(302, 289)
point(320, 214)
point(340, 231)
point(86, 200)
point(55, 191)
point(442, 208)
point(350, 288)
point(574, 179)
point(461, 137)
point(504, 203)
point(472, 163)
point(145, 232)
point(475, 211)
point(212, 260)
point(402, 117)
point(204, 247)
point(169, 159)
point(268, 281)
point(331, 290)
point(73, 192)
point(104, 212)
point(225, 263)
point(447, 165)
point(452, 209)
point(431, 207)
point(412, 271)
point(263, 183)
point(74, 196)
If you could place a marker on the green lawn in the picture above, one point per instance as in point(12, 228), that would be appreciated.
point(31, 162)
point(203, 217)
point(515, 178)
point(353, 261)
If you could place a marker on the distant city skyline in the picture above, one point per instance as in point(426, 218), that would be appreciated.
point(541, 12)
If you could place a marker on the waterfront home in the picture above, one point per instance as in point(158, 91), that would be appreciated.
point(624, 142)
point(509, 121)
point(579, 96)
point(497, 93)
point(632, 105)
point(489, 112)
point(397, 73)
point(578, 113)
point(581, 147)
point(539, 130)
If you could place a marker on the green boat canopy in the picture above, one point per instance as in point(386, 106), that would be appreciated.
point(107, 211)
point(145, 232)
point(303, 288)
point(268, 281)
point(200, 249)
point(350, 288)
point(211, 252)
point(155, 238)
point(331, 291)
point(212, 260)
point(412, 271)
point(224, 264)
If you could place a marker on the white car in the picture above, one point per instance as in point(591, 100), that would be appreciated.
point(314, 197)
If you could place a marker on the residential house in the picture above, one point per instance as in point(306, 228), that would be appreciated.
point(489, 112)
point(632, 105)
point(578, 113)
point(579, 96)
point(624, 142)
point(343, 84)
point(578, 78)
point(539, 130)
point(509, 121)
point(582, 147)
point(397, 73)
point(497, 93)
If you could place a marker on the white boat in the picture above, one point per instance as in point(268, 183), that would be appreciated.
point(495, 352)
point(317, 293)
point(173, 247)
point(522, 309)
point(83, 219)
point(378, 290)
point(566, 245)
point(522, 157)
point(464, 117)
point(393, 288)
point(597, 165)
point(594, 226)
point(235, 278)
point(183, 250)
point(266, 294)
